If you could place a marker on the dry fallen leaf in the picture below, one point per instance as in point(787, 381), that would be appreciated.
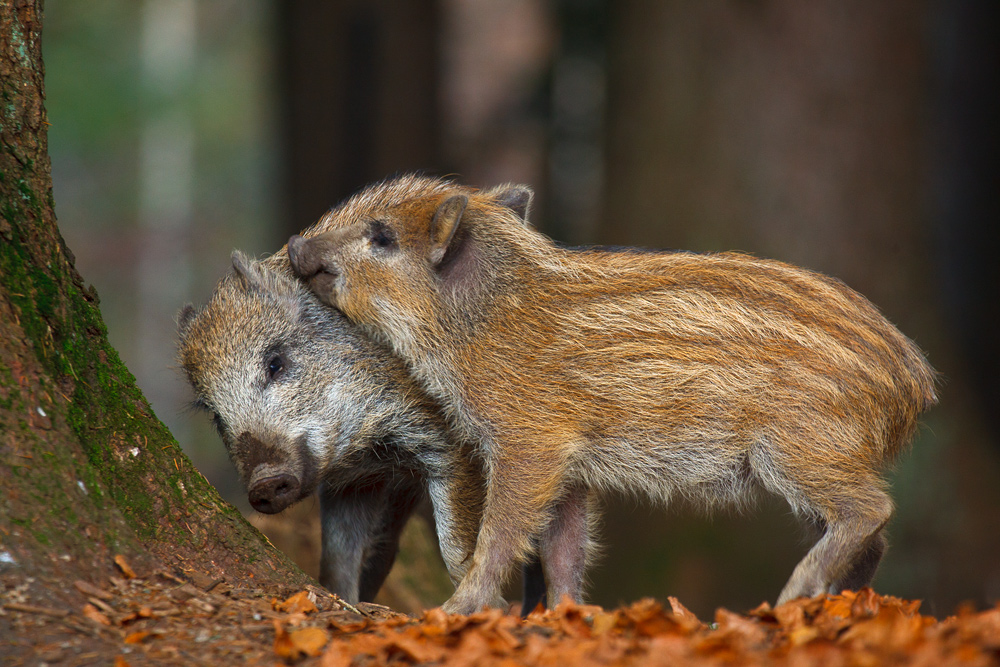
point(414, 650)
point(802, 635)
point(649, 619)
point(683, 614)
point(790, 616)
point(740, 629)
point(861, 628)
point(137, 637)
point(838, 606)
point(866, 604)
point(604, 622)
point(337, 655)
point(93, 591)
point(303, 602)
point(124, 567)
point(91, 612)
point(309, 640)
point(283, 646)
point(298, 643)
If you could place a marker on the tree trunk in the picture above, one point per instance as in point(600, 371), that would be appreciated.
point(359, 97)
point(87, 470)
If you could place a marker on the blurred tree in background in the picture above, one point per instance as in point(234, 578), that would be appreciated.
point(803, 132)
point(855, 139)
point(88, 473)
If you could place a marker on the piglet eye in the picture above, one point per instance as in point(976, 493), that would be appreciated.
point(382, 236)
point(275, 367)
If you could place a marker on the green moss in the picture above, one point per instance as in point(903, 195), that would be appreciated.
point(9, 211)
point(28, 195)
point(69, 339)
point(19, 44)
point(10, 389)
point(88, 476)
point(20, 285)
point(176, 485)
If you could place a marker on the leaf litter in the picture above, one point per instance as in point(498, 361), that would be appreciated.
point(165, 619)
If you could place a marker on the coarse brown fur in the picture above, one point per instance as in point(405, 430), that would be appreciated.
point(305, 403)
point(703, 376)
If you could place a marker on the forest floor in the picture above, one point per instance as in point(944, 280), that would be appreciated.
point(161, 619)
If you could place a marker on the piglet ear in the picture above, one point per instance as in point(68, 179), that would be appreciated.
point(515, 197)
point(242, 265)
point(445, 224)
point(250, 271)
point(302, 256)
point(184, 318)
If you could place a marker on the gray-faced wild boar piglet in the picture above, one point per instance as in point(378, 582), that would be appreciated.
point(305, 403)
point(709, 377)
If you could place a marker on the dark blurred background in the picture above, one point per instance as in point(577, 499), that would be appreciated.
point(858, 139)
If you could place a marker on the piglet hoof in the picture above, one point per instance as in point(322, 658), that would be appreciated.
point(470, 604)
point(790, 593)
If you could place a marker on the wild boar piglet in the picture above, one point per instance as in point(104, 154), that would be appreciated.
point(710, 377)
point(305, 403)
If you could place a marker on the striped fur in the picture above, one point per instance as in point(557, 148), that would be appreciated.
point(708, 377)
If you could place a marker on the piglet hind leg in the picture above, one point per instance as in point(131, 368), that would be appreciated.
point(565, 545)
point(848, 553)
point(862, 570)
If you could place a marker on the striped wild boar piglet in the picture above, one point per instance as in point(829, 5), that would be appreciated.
point(708, 377)
point(305, 403)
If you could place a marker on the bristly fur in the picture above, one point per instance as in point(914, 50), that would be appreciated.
point(341, 417)
point(703, 376)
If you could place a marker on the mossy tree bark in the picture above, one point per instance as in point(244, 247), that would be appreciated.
point(87, 471)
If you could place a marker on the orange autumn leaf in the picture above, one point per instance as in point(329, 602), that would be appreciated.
point(683, 614)
point(739, 628)
point(892, 629)
point(573, 623)
point(839, 606)
point(303, 602)
point(137, 637)
point(309, 641)
point(472, 650)
point(91, 612)
point(876, 630)
point(790, 616)
point(414, 650)
point(348, 624)
point(298, 643)
point(866, 604)
point(649, 618)
point(604, 622)
point(283, 646)
point(337, 655)
point(802, 635)
point(124, 567)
